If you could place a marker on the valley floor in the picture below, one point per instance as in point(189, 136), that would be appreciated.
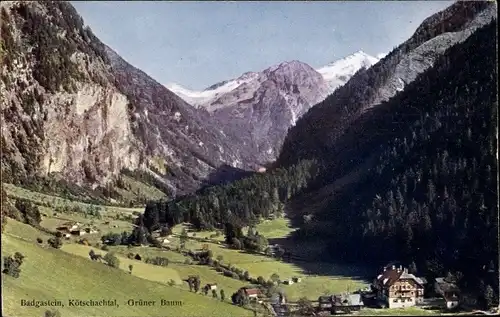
point(68, 273)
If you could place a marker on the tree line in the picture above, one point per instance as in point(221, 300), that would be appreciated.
point(243, 202)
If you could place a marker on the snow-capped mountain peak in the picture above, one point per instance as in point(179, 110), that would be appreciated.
point(335, 74)
point(338, 72)
point(257, 108)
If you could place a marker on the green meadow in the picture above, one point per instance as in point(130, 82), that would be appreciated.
point(52, 274)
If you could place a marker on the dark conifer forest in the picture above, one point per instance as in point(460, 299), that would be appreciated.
point(242, 202)
point(430, 197)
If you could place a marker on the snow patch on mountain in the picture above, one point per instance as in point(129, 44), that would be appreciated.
point(207, 96)
point(339, 72)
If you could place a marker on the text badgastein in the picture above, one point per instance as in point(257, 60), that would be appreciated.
point(41, 303)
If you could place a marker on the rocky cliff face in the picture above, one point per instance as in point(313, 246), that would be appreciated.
point(258, 108)
point(61, 114)
point(432, 38)
point(315, 134)
point(259, 112)
point(72, 108)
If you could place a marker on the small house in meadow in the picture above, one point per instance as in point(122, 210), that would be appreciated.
point(449, 291)
point(68, 226)
point(78, 232)
point(211, 287)
point(251, 293)
point(325, 302)
point(288, 282)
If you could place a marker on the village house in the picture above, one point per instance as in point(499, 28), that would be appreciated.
point(251, 293)
point(346, 303)
point(396, 288)
point(278, 299)
point(296, 279)
point(343, 303)
point(325, 302)
point(69, 226)
point(78, 232)
point(449, 291)
point(288, 282)
point(274, 249)
point(211, 287)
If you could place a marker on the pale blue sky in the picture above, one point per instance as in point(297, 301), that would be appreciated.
point(197, 44)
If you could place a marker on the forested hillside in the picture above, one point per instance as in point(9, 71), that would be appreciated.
point(431, 195)
point(241, 202)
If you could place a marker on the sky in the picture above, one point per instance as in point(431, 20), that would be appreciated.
point(197, 44)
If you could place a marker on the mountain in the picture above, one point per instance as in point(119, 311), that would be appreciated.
point(257, 109)
point(314, 134)
point(75, 110)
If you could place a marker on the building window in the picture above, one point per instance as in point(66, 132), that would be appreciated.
point(409, 299)
point(395, 300)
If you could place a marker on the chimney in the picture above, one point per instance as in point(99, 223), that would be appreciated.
point(405, 270)
point(393, 267)
point(385, 268)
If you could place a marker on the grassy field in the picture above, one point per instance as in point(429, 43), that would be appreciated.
point(50, 274)
point(207, 274)
point(56, 201)
point(140, 269)
point(333, 280)
point(105, 225)
point(410, 311)
point(277, 228)
point(317, 279)
point(150, 252)
point(17, 229)
point(137, 189)
point(175, 271)
point(113, 219)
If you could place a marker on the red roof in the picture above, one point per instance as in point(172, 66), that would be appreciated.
point(252, 291)
point(389, 277)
